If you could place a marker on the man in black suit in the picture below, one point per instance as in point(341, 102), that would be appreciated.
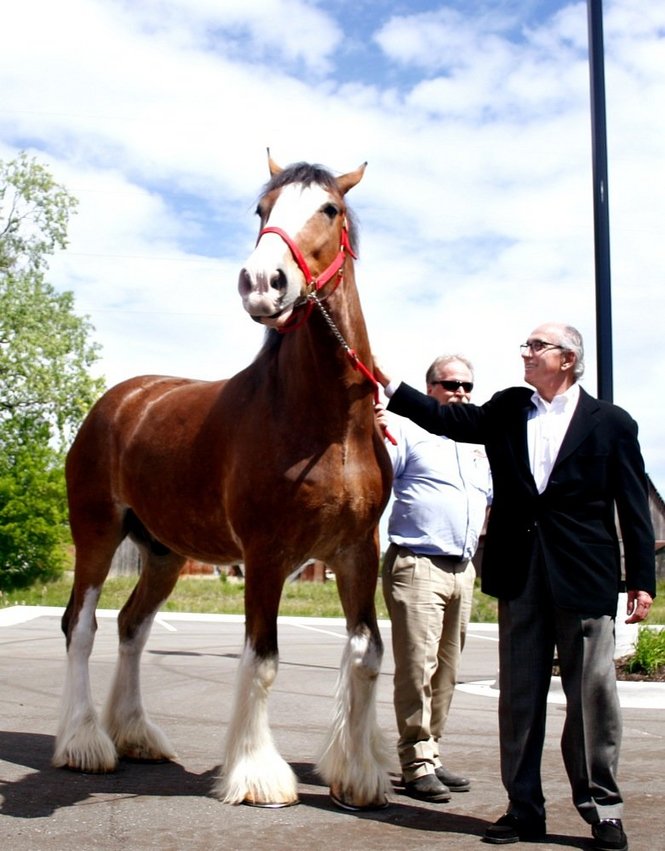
point(561, 462)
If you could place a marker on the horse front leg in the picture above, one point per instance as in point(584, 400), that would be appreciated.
point(356, 757)
point(135, 736)
point(253, 771)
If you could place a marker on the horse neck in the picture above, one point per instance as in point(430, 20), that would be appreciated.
point(325, 367)
point(346, 313)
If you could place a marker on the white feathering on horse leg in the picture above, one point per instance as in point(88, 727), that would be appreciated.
point(81, 743)
point(125, 718)
point(253, 771)
point(356, 758)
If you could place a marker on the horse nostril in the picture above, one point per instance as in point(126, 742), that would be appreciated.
point(278, 280)
point(244, 282)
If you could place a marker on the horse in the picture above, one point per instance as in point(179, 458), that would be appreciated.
point(278, 464)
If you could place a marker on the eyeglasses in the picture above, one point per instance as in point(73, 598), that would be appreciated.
point(538, 346)
point(453, 386)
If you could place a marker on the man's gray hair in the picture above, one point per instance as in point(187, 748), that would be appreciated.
point(571, 340)
point(432, 373)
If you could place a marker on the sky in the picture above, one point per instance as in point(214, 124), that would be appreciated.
point(475, 212)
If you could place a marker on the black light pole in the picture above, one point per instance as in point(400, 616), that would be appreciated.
point(600, 201)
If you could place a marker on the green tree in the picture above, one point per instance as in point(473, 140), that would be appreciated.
point(33, 516)
point(45, 384)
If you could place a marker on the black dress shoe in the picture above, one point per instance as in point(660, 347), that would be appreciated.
point(510, 828)
point(454, 782)
point(608, 835)
point(427, 788)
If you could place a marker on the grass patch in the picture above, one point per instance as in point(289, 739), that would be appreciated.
point(484, 609)
point(198, 595)
point(649, 656)
point(224, 596)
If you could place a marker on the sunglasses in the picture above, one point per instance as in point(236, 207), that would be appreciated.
point(453, 386)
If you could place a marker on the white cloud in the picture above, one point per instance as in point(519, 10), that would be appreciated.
point(294, 31)
point(475, 211)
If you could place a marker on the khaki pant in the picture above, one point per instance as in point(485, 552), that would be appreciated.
point(429, 601)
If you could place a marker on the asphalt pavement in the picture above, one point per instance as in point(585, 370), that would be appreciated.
point(188, 675)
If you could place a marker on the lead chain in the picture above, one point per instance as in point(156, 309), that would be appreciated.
point(331, 323)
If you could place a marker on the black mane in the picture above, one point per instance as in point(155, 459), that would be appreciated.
point(305, 173)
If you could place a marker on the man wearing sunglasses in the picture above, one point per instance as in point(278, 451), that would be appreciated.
point(441, 491)
point(562, 463)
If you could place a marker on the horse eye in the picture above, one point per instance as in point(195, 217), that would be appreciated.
point(330, 210)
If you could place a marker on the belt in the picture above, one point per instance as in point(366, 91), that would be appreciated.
point(453, 564)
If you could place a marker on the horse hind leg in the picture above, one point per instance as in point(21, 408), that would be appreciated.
point(125, 720)
point(253, 771)
point(81, 742)
point(356, 757)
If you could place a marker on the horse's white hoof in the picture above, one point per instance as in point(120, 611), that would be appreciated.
point(275, 805)
point(343, 800)
point(140, 740)
point(87, 754)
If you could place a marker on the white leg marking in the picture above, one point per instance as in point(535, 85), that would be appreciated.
point(253, 770)
point(81, 742)
point(356, 757)
point(124, 717)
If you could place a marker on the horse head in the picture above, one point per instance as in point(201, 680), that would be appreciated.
point(305, 237)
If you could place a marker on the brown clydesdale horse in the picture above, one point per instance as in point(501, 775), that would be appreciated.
point(278, 464)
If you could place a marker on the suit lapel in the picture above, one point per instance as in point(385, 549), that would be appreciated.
point(584, 420)
point(519, 441)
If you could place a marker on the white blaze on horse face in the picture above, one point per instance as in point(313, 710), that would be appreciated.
point(271, 281)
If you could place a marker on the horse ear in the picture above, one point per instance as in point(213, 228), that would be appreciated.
point(348, 181)
point(272, 165)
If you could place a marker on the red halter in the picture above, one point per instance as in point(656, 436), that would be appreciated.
point(313, 284)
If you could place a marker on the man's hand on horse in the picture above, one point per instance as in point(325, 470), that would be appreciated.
point(379, 373)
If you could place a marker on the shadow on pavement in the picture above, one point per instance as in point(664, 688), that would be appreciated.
point(48, 789)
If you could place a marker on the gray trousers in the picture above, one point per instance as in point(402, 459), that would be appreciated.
point(530, 628)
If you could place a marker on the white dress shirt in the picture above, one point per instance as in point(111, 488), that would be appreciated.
point(546, 428)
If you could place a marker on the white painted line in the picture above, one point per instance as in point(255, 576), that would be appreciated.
point(309, 628)
point(160, 621)
point(632, 695)
point(22, 614)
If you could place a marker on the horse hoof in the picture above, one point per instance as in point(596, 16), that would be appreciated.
point(74, 767)
point(350, 807)
point(271, 805)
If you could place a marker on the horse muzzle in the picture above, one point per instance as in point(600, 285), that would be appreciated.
point(265, 296)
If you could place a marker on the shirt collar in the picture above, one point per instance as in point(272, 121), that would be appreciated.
point(561, 402)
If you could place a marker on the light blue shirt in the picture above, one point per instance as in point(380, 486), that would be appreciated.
point(441, 491)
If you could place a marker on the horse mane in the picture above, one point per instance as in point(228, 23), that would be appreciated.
point(272, 340)
point(308, 173)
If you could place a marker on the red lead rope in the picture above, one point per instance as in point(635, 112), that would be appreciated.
point(315, 284)
point(358, 364)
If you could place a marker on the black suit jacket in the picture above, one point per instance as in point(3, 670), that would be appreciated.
point(599, 466)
